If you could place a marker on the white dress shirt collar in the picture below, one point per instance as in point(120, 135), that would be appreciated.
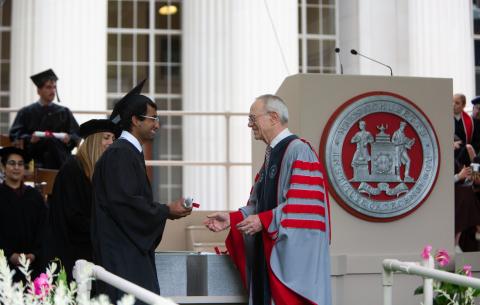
point(282, 135)
point(131, 138)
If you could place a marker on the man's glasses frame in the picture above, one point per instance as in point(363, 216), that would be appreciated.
point(14, 163)
point(155, 118)
point(252, 118)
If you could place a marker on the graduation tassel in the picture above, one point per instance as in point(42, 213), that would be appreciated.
point(58, 97)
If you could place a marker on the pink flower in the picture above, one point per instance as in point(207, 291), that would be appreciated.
point(41, 285)
point(468, 270)
point(426, 251)
point(442, 257)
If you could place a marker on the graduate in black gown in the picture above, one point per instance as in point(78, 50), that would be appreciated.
point(127, 225)
point(71, 199)
point(22, 214)
point(44, 115)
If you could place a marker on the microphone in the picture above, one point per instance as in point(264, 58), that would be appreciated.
point(337, 50)
point(354, 52)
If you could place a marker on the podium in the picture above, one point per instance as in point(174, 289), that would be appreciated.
point(397, 209)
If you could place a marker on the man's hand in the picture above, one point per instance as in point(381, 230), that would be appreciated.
point(177, 210)
point(217, 222)
point(66, 138)
point(457, 144)
point(250, 225)
point(34, 139)
point(465, 173)
point(15, 259)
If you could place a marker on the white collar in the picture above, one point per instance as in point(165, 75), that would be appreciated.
point(457, 116)
point(131, 138)
point(282, 135)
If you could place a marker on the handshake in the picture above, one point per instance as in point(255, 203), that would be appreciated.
point(181, 208)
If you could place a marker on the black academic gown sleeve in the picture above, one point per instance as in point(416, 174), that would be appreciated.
point(70, 212)
point(49, 152)
point(128, 198)
point(127, 224)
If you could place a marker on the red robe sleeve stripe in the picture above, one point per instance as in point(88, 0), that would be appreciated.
point(303, 224)
point(326, 187)
point(308, 166)
point(300, 179)
point(304, 209)
point(468, 125)
point(305, 194)
point(236, 247)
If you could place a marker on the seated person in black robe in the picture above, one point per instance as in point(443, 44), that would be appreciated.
point(22, 214)
point(71, 199)
point(45, 116)
point(127, 225)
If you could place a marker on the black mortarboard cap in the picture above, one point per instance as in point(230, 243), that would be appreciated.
point(94, 126)
point(129, 98)
point(40, 78)
point(476, 100)
point(7, 151)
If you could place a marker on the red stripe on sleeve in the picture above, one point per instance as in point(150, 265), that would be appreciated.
point(304, 209)
point(303, 224)
point(304, 194)
point(308, 166)
point(300, 179)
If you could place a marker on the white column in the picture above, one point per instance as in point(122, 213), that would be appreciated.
point(441, 43)
point(377, 29)
point(230, 56)
point(70, 38)
point(427, 38)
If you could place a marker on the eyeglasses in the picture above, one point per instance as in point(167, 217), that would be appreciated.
point(155, 118)
point(252, 118)
point(12, 163)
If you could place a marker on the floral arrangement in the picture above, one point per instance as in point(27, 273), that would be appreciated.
point(446, 293)
point(49, 288)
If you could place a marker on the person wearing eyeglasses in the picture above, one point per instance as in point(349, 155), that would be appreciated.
point(280, 239)
point(71, 200)
point(22, 213)
point(127, 225)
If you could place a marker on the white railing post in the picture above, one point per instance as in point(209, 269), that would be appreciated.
point(387, 282)
point(428, 282)
point(83, 274)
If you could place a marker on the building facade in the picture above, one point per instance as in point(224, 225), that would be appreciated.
point(217, 56)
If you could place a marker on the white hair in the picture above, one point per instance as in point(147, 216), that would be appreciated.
point(275, 104)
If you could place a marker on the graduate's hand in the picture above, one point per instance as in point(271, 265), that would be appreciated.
point(66, 138)
point(250, 225)
point(34, 139)
point(178, 210)
point(30, 257)
point(217, 222)
point(15, 259)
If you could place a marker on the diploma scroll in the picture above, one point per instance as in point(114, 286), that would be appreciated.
point(49, 134)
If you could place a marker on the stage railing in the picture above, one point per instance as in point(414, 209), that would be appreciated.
point(84, 272)
point(426, 270)
point(228, 164)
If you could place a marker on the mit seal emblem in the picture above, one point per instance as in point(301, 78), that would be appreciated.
point(381, 155)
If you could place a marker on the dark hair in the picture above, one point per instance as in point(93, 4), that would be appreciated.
point(5, 157)
point(137, 106)
point(43, 81)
